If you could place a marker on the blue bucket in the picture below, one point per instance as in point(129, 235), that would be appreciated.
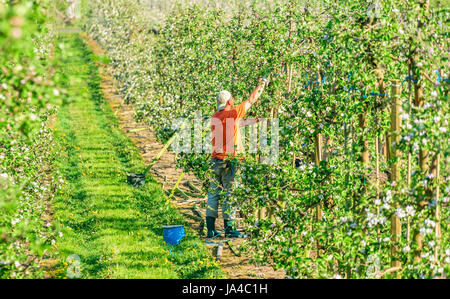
point(173, 234)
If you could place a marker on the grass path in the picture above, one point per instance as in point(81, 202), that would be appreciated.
point(167, 173)
point(113, 228)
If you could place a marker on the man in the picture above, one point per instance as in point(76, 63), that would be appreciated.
point(226, 146)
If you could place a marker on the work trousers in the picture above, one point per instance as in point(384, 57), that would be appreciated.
point(221, 188)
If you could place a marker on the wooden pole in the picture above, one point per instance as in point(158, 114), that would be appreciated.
point(262, 213)
point(396, 226)
point(423, 154)
point(256, 211)
point(364, 157)
point(347, 200)
point(317, 158)
point(436, 171)
point(318, 145)
point(418, 102)
point(377, 176)
point(395, 128)
point(409, 167)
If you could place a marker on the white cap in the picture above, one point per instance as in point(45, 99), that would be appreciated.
point(222, 99)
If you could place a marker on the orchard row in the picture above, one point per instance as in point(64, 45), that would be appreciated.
point(360, 188)
point(31, 90)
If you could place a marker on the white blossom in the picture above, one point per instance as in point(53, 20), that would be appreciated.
point(429, 222)
point(400, 212)
point(410, 211)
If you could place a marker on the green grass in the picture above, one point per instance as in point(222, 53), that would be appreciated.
point(114, 228)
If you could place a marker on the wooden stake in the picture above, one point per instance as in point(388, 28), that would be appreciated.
point(436, 172)
point(396, 226)
point(395, 128)
point(317, 158)
point(409, 167)
point(377, 175)
point(418, 102)
point(364, 157)
point(386, 147)
point(423, 153)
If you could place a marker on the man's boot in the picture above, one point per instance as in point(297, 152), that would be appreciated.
point(230, 230)
point(211, 227)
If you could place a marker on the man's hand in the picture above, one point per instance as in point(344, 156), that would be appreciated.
point(263, 82)
point(256, 93)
